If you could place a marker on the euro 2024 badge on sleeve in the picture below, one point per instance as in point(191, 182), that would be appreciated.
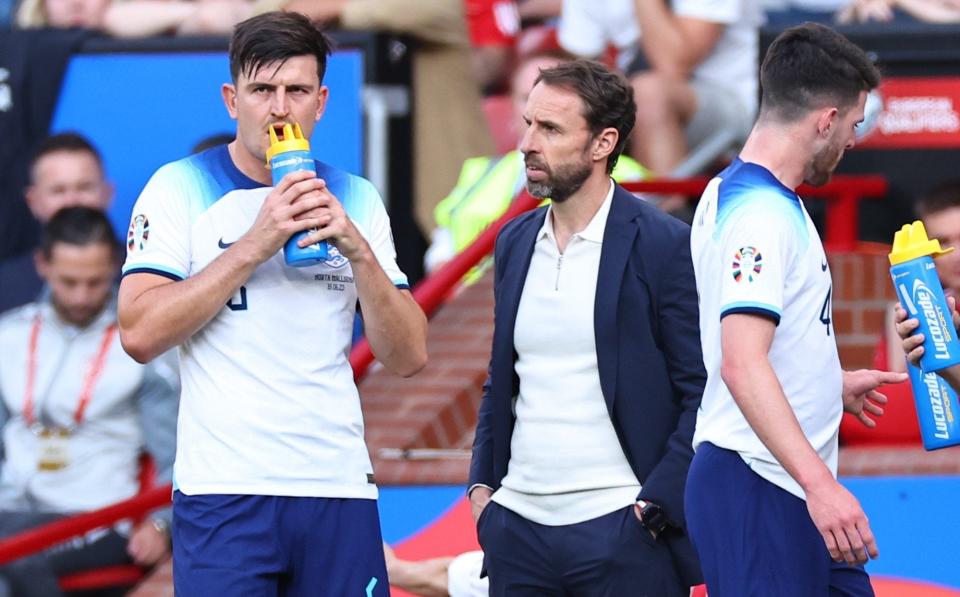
point(747, 263)
point(138, 234)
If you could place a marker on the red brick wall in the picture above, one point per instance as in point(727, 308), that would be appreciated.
point(437, 407)
point(862, 293)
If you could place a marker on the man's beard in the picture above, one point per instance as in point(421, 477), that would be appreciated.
point(823, 165)
point(560, 184)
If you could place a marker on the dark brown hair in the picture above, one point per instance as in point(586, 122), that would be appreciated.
point(68, 141)
point(80, 226)
point(607, 98)
point(275, 37)
point(811, 66)
point(943, 196)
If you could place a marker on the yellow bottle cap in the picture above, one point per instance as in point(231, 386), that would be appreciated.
point(911, 242)
point(292, 141)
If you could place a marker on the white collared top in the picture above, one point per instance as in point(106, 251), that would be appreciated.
point(566, 462)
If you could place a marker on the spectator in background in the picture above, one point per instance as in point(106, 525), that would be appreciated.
point(487, 185)
point(695, 81)
point(76, 412)
point(693, 66)
point(588, 28)
point(66, 171)
point(446, 576)
point(136, 18)
point(927, 11)
point(493, 26)
point(539, 10)
point(449, 126)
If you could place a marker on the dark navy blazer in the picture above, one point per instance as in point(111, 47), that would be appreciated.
point(646, 323)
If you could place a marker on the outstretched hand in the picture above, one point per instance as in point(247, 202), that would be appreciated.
point(860, 395)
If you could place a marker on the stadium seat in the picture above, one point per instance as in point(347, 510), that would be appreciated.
point(897, 427)
point(498, 111)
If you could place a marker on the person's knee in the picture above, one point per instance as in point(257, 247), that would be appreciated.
point(651, 91)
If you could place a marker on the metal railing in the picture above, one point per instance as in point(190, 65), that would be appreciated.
point(843, 194)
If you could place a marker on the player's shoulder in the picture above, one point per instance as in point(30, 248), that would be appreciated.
point(199, 180)
point(188, 167)
point(338, 179)
point(359, 196)
point(175, 179)
point(748, 191)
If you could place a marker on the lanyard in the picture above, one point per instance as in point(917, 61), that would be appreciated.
point(93, 373)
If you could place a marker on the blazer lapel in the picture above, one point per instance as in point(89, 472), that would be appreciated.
point(518, 257)
point(618, 240)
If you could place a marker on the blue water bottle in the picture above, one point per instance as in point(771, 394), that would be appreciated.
point(921, 295)
point(285, 155)
point(937, 409)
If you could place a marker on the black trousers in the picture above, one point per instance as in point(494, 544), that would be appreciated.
point(609, 556)
point(36, 575)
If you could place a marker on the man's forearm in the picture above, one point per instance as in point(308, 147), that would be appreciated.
point(140, 18)
point(393, 322)
point(674, 45)
point(930, 12)
point(758, 393)
point(952, 376)
point(661, 39)
point(156, 319)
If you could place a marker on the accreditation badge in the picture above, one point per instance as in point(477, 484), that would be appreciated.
point(54, 449)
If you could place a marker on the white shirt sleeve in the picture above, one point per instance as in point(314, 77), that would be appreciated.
point(578, 31)
point(375, 226)
point(714, 11)
point(158, 239)
point(758, 249)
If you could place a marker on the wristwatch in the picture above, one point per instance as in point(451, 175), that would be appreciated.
point(652, 516)
point(161, 525)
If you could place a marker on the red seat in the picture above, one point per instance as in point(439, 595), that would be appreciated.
point(498, 110)
point(898, 425)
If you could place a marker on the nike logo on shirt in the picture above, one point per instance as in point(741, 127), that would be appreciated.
point(224, 245)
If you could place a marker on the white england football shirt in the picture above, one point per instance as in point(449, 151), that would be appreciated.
point(755, 250)
point(268, 404)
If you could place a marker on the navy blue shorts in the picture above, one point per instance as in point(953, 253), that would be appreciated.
point(756, 539)
point(255, 545)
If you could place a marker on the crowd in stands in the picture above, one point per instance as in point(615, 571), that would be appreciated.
point(693, 68)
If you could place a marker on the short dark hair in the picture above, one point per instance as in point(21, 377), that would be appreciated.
point(276, 37)
point(68, 141)
point(214, 140)
point(943, 196)
point(811, 66)
point(79, 226)
point(607, 98)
